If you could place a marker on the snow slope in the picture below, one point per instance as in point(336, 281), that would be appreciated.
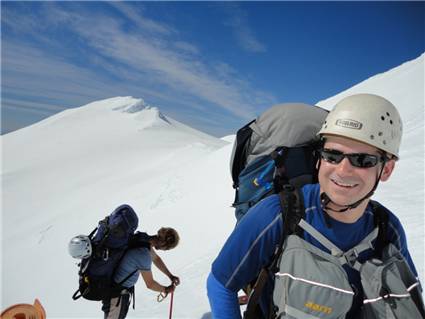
point(61, 175)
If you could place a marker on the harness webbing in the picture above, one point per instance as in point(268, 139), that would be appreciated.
point(350, 256)
point(293, 211)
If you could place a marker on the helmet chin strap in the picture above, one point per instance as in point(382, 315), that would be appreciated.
point(325, 200)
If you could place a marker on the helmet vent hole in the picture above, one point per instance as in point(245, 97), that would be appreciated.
point(391, 122)
point(388, 114)
point(380, 134)
point(383, 118)
point(384, 142)
point(372, 137)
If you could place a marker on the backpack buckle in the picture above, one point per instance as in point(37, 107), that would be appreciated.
point(105, 254)
point(386, 296)
point(350, 257)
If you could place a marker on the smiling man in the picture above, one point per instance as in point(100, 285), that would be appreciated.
point(328, 271)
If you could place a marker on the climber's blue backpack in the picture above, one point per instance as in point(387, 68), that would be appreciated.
point(279, 143)
point(110, 240)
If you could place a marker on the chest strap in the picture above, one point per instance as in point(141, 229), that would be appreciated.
point(350, 256)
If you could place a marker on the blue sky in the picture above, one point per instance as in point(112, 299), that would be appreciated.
point(211, 65)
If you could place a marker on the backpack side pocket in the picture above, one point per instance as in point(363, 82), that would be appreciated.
point(390, 288)
point(310, 283)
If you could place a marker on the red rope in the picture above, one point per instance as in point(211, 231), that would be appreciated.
point(171, 305)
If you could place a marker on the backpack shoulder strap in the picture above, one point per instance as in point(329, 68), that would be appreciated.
point(381, 221)
point(292, 210)
point(91, 235)
point(139, 240)
point(243, 137)
point(292, 204)
point(128, 277)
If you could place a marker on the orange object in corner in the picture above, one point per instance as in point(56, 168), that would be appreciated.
point(24, 311)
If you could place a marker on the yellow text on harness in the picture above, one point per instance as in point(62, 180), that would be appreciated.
point(319, 308)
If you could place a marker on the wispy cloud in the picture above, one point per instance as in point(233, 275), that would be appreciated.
point(167, 66)
point(46, 79)
point(149, 58)
point(30, 106)
point(186, 47)
point(248, 41)
point(238, 21)
point(135, 14)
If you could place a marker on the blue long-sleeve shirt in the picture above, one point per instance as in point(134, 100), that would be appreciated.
point(251, 246)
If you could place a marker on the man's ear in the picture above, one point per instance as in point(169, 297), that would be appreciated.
point(388, 170)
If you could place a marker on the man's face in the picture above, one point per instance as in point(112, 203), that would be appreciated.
point(344, 183)
point(161, 245)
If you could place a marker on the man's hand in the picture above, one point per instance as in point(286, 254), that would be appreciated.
point(169, 289)
point(175, 280)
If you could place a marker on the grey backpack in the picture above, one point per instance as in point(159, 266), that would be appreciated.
point(310, 283)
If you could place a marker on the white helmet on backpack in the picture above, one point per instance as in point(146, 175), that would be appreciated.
point(80, 247)
point(367, 118)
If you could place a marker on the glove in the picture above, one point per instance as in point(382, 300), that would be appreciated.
point(169, 289)
point(175, 280)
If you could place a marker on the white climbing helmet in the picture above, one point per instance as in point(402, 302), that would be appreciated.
point(80, 247)
point(367, 118)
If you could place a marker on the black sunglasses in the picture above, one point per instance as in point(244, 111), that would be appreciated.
point(362, 160)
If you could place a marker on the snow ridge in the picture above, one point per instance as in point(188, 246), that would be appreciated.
point(140, 106)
